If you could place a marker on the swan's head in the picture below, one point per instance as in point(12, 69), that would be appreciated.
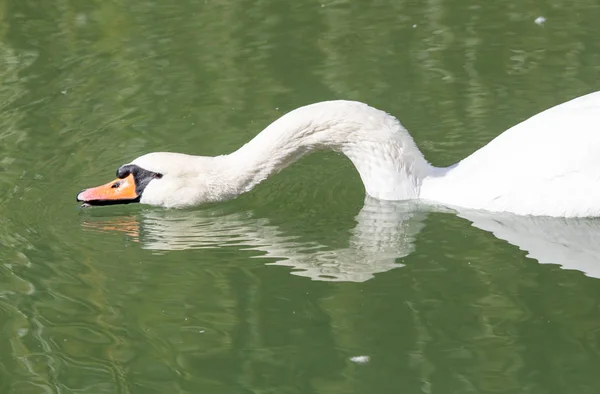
point(161, 178)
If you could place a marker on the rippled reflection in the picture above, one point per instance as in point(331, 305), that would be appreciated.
point(571, 243)
point(384, 233)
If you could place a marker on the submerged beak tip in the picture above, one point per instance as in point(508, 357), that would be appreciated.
point(80, 197)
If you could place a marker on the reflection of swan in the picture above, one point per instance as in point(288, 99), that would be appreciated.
point(385, 231)
point(571, 243)
point(546, 165)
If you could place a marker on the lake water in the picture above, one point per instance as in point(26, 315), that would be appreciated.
point(300, 286)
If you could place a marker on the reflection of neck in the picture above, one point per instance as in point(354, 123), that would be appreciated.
point(385, 155)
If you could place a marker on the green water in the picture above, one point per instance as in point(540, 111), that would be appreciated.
point(279, 290)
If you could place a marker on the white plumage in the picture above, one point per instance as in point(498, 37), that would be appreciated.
point(547, 165)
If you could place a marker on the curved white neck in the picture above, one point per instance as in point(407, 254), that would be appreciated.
point(385, 155)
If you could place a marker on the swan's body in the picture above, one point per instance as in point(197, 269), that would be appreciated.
point(547, 165)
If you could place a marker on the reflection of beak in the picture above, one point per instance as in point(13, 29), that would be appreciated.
point(126, 224)
point(119, 191)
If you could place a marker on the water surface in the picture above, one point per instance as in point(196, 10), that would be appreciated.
point(282, 289)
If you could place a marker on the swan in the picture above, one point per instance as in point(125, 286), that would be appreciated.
point(547, 165)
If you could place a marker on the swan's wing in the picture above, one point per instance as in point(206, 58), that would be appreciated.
point(546, 165)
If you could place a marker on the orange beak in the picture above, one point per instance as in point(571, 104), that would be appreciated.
point(119, 191)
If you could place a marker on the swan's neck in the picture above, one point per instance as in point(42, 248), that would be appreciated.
point(385, 155)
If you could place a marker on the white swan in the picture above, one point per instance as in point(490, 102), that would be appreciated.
point(547, 165)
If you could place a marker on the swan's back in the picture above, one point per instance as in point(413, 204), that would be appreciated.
point(546, 165)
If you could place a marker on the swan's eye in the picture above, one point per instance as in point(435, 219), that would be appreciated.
point(115, 185)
